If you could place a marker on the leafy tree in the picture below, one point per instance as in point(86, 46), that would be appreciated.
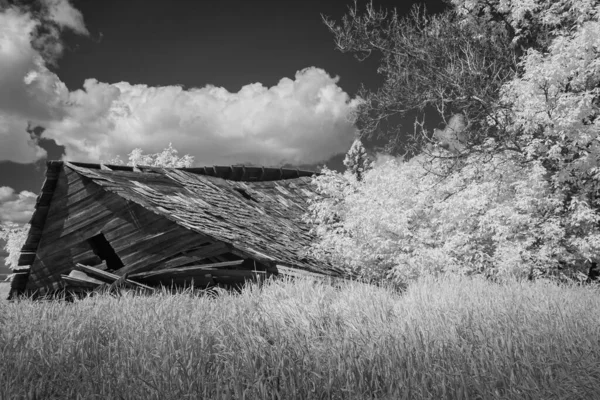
point(433, 64)
point(357, 161)
point(496, 216)
point(15, 237)
point(166, 158)
point(554, 110)
point(503, 189)
point(530, 24)
point(458, 62)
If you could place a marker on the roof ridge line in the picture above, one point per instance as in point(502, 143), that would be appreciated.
point(231, 172)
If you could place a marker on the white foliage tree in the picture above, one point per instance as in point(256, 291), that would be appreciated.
point(452, 137)
point(505, 210)
point(357, 160)
point(167, 158)
point(555, 106)
point(497, 216)
point(15, 237)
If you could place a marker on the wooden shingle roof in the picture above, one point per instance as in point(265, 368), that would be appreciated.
point(256, 210)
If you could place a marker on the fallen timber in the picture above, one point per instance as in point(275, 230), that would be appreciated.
point(85, 278)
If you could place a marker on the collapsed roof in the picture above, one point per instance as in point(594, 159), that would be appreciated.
point(255, 211)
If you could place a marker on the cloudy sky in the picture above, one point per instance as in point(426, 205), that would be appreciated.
point(255, 82)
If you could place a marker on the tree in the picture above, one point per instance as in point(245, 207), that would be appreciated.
point(497, 216)
point(432, 65)
point(530, 24)
point(457, 63)
point(555, 105)
point(166, 158)
point(527, 160)
point(15, 237)
point(357, 161)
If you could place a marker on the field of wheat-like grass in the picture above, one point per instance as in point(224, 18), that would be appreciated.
point(445, 338)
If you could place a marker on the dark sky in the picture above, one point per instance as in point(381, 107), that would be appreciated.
point(194, 43)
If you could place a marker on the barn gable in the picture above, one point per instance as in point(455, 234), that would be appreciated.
point(135, 220)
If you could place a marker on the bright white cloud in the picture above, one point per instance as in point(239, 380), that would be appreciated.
point(306, 119)
point(15, 207)
point(63, 13)
point(29, 92)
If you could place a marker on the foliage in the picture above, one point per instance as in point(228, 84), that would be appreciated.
point(357, 161)
point(15, 237)
point(441, 339)
point(505, 191)
point(167, 158)
point(431, 64)
point(496, 216)
point(464, 60)
point(531, 24)
point(555, 109)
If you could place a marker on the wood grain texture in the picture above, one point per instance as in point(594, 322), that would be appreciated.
point(110, 277)
point(187, 270)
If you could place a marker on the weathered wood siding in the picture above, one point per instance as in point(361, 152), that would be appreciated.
point(143, 240)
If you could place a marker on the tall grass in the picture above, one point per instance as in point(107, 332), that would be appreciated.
point(445, 338)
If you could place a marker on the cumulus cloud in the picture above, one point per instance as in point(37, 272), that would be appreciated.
point(64, 15)
point(29, 92)
point(15, 207)
point(302, 120)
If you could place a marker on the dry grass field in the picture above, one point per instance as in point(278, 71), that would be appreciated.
point(447, 338)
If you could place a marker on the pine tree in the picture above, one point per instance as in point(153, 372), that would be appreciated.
point(357, 161)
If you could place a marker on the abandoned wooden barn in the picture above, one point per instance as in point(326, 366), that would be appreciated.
point(149, 225)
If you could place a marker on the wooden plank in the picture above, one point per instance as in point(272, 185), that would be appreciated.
point(86, 227)
point(117, 227)
point(202, 281)
point(46, 275)
point(87, 258)
point(147, 221)
point(50, 246)
point(237, 273)
point(186, 270)
point(26, 258)
point(242, 252)
point(70, 281)
point(90, 191)
point(146, 241)
point(65, 215)
point(61, 225)
point(295, 272)
point(145, 229)
point(206, 277)
point(110, 277)
point(72, 194)
point(150, 258)
point(236, 276)
point(78, 278)
point(202, 253)
point(83, 256)
point(102, 266)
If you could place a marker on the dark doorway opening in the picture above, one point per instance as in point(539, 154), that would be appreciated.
point(104, 250)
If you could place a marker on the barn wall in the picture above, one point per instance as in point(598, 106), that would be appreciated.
point(81, 209)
